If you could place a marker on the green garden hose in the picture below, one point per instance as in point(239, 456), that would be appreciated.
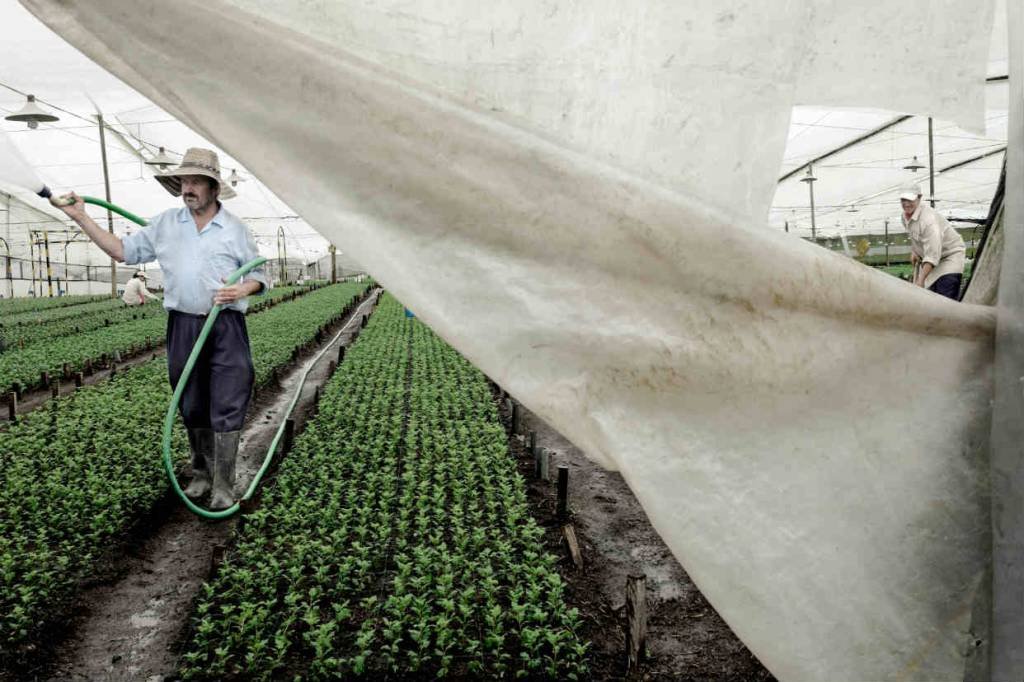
point(172, 408)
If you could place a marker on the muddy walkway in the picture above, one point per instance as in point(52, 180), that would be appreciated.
point(130, 627)
point(687, 639)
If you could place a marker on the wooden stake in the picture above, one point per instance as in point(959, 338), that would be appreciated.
point(363, 323)
point(12, 406)
point(516, 417)
point(88, 367)
point(55, 389)
point(289, 436)
point(79, 379)
point(66, 370)
point(636, 620)
point(563, 491)
point(545, 464)
point(341, 354)
point(44, 379)
point(533, 443)
point(537, 453)
point(331, 366)
point(113, 369)
point(573, 545)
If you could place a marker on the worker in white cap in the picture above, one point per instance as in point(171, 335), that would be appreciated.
point(936, 249)
point(135, 291)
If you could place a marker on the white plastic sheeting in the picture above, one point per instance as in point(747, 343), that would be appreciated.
point(573, 194)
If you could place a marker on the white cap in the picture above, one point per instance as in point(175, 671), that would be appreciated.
point(910, 192)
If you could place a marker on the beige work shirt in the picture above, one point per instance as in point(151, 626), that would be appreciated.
point(934, 241)
point(135, 292)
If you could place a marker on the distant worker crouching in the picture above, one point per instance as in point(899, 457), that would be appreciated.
point(135, 291)
point(936, 250)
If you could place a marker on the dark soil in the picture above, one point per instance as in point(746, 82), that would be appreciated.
point(687, 639)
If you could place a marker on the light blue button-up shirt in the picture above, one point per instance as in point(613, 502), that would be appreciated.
point(194, 263)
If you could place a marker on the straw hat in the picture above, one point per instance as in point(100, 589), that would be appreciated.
point(197, 161)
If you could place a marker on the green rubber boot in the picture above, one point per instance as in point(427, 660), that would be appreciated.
point(200, 441)
point(225, 451)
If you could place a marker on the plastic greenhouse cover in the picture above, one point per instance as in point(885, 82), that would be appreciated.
point(587, 182)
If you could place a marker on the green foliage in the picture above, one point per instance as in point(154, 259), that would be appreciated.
point(78, 472)
point(396, 540)
point(23, 366)
point(14, 306)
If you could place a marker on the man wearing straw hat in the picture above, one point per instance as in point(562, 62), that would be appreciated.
point(198, 246)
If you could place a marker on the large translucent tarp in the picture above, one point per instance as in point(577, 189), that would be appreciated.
point(573, 194)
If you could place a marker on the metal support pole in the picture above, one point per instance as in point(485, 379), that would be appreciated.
point(49, 270)
point(110, 216)
point(1006, 459)
point(887, 242)
point(931, 165)
point(32, 258)
point(7, 266)
point(814, 226)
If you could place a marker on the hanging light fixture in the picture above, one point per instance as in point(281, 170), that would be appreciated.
point(235, 178)
point(32, 114)
point(853, 209)
point(914, 165)
point(808, 176)
point(162, 160)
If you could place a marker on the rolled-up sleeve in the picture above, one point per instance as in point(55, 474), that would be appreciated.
point(931, 242)
point(251, 252)
point(138, 248)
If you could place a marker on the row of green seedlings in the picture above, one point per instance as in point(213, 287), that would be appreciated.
point(60, 322)
point(35, 365)
point(76, 475)
point(20, 336)
point(15, 306)
point(395, 541)
point(47, 315)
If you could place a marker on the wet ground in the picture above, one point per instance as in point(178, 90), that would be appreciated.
point(687, 639)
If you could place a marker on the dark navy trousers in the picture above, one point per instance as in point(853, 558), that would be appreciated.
point(948, 286)
point(219, 389)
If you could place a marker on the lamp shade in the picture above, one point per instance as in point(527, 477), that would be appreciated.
point(32, 114)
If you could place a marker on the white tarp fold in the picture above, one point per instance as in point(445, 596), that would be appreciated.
point(573, 195)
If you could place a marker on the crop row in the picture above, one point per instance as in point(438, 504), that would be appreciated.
point(25, 329)
point(17, 336)
point(12, 306)
point(22, 368)
point(395, 541)
point(75, 475)
point(51, 314)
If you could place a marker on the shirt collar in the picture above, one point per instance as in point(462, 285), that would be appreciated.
point(219, 219)
point(917, 211)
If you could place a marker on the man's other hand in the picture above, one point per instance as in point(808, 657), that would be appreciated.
point(235, 292)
